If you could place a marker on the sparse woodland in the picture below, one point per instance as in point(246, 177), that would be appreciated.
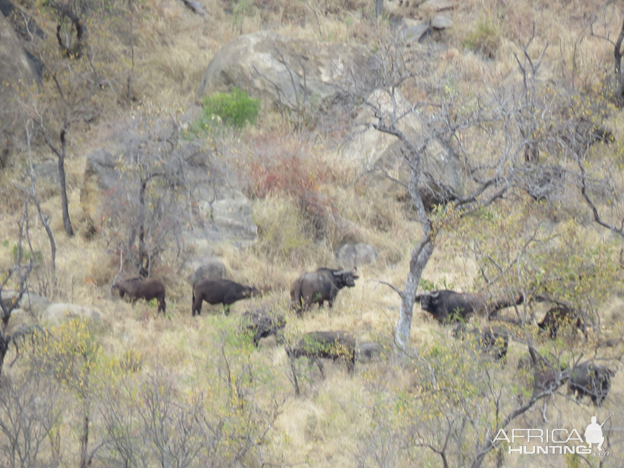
point(471, 146)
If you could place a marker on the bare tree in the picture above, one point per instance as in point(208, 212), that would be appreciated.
point(19, 274)
point(489, 172)
point(149, 208)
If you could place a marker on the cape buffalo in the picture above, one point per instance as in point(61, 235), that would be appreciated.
point(325, 344)
point(319, 286)
point(491, 340)
point(263, 324)
point(141, 288)
point(561, 316)
point(220, 292)
point(589, 379)
point(450, 306)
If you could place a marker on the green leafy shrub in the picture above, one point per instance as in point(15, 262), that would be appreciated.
point(36, 255)
point(485, 38)
point(235, 109)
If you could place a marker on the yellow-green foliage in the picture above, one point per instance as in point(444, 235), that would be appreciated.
point(484, 38)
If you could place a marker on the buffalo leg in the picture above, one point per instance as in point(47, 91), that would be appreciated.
point(197, 306)
point(162, 305)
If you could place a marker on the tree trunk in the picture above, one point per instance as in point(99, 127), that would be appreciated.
point(378, 8)
point(617, 53)
point(84, 440)
point(420, 254)
point(419, 259)
point(61, 168)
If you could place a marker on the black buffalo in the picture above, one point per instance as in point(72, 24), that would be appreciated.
point(141, 288)
point(262, 324)
point(325, 344)
point(589, 379)
point(491, 340)
point(319, 286)
point(561, 316)
point(450, 306)
point(224, 292)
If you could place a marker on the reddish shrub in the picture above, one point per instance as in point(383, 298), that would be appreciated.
point(291, 168)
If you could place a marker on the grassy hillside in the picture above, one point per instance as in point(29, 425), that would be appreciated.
point(177, 390)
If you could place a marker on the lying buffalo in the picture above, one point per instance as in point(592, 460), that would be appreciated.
point(450, 306)
point(491, 340)
point(325, 344)
point(224, 292)
point(262, 324)
point(143, 288)
point(319, 286)
point(589, 379)
point(561, 316)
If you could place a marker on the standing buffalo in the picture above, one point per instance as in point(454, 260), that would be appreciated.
point(450, 306)
point(140, 288)
point(589, 379)
point(220, 292)
point(319, 286)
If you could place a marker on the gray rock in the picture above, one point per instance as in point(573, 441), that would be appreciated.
point(442, 176)
point(442, 22)
point(415, 32)
point(30, 302)
point(222, 212)
point(368, 351)
point(208, 268)
point(352, 255)
point(265, 62)
point(16, 74)
point(438, 5)
point(58, 312)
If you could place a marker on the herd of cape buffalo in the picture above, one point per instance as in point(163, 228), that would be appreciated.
point(320, 286)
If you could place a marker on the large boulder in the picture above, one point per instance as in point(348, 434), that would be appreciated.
point(442, 175)
point(354, 255)
point(221, 210)
point(29, 302)
point(207, 268)
point(283, 71)
point(16, 74)
point(58, 312)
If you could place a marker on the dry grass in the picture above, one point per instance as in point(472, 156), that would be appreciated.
point(325, 425)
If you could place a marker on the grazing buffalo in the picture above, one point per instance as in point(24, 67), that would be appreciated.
point(491, 340)
point(319, 286)
point(143, 288)
point(589, 379)
point(262, 324)
point(450, 306)
point(325, 344)
point(220, 292)
point(561, 316)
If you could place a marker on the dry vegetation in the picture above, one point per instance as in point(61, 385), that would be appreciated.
point(236, 404)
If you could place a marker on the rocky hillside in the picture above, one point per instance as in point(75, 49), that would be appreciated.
point(403, 229)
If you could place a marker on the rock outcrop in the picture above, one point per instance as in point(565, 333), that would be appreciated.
point(221, 212)
point(442, 171)
point(16, 73)
point(354, 255)
point(291, 73)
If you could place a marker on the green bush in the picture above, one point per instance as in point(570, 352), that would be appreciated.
point(235, 109)
point(485, 38)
